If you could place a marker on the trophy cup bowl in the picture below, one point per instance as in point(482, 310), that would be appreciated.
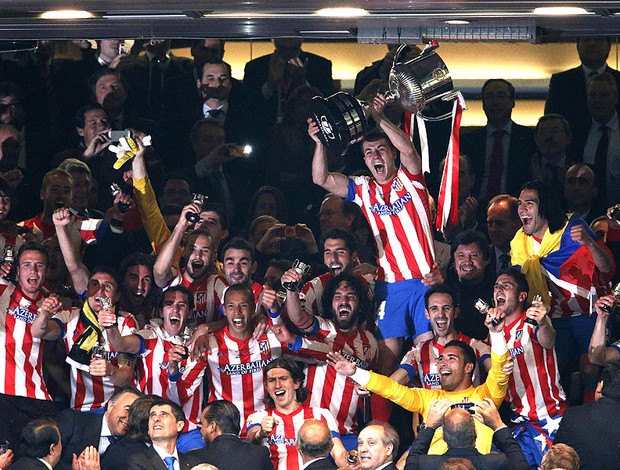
point(413, 84)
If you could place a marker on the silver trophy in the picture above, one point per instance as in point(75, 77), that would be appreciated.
point(616, 293)
point(98, 351)
point(414, 84)
point(303, 269)
point(199, 199)
point(483, 308)
point(538, 300)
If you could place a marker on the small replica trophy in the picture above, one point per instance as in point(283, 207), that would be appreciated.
point(303, 269)
point(196, 199)
point(483, 308)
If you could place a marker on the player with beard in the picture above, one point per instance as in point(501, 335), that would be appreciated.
point(339, 255)
point(421, 360)
point(199, 273)
point(346, 306)
point(277, 426)
point(534, 391)
point(239, 264)
point(137, 294)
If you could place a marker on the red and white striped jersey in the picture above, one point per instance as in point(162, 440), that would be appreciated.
point(87, 228)
point(281, 441)
point(333, 391)
point(87, 392)
point(208, 294)
point(152, 371)
point(534, 389)
point(399, 214)
point(422, 360)
point(235, 369)
point(21, 355)
point(313, 292)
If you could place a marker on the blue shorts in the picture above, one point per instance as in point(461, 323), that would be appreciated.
point(401, 309)
point(572, 336)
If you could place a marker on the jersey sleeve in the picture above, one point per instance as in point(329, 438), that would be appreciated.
point(496, 384)
point(255, 419)
point(411, 399)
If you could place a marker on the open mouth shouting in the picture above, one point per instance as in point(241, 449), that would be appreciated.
point(441, 323)
point(344, 311)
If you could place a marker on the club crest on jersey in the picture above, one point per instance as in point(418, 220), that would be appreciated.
point(397, 185)
point(365, 349)
point(201, 297)
point(22, 314)
point(264, 346)
point(518, 335)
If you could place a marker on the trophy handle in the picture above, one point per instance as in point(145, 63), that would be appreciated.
point(397, 55)
point(449, 96)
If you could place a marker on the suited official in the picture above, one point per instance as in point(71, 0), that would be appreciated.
point(517, 143)
point(220, 430)
point(567, 89)
point(603, 153)
point(460, 435)
point(377, 446)
point(41, 444)
point(314, 443)
point(166, 422)
point(80, 430)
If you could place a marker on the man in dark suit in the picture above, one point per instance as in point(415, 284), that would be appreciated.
point(220, 430)
point(166, 421)
point(596, 449)
point(80, 430)
point(500, 151)
point(460, 435)
point(597, 138)
point(42, 445)
point(567, 90)
point(502, 223)
point(314, 443)
point(377, 446)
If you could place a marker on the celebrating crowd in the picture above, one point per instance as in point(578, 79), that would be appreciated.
point(192, 279)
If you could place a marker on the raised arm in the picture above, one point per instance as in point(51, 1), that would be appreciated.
point(162, 270)
point(408, 155)
point(42, 326)
point(77, 269)
point(336, 183)
point(295, 311)
point(545, 333)
point(601, 255)
point(601, 354)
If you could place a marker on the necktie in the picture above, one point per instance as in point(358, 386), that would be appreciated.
point(504, 262)
point(170, 462)
point(600, 157)
point(496, 168)
point(593, 73)
point(215, 113)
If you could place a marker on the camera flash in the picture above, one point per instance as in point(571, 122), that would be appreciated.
point(247, 149)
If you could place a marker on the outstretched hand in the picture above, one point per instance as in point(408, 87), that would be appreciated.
point(343, 366)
